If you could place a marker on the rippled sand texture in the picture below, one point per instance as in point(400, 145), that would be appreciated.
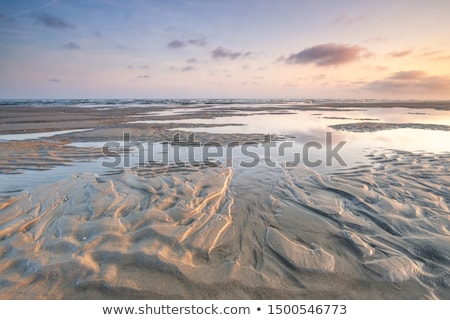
point(367, 233)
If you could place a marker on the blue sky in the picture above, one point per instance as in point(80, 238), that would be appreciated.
point(225, 49)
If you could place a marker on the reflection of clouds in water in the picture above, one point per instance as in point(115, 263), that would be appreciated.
point(305, 126)
point(403, 115)
point(318, 135)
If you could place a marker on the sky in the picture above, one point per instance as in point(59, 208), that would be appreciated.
point(384, 49)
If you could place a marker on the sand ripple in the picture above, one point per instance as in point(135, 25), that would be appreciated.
point(371, 232)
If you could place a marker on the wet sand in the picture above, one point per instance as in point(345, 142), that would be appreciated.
point(375, 126)
point(377, 231)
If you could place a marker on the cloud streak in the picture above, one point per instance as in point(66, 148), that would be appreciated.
point(324, 55)
point(222, 53)
point(192, 60)
point(199, 42)
point(399, 54)
point(72, 46)
point(347, 20)
point(188, 68)
point(45, 5)
point(53, 22)
point(411, 82)
point(176, 44)
point(408, 75)
point(6, 18)
point(441, 58)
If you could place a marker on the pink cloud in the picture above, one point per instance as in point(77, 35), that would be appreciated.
point(411, 82)
point(399, 54)
point(330, 54)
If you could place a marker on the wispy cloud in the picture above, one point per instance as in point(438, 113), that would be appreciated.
point(330, 54)
point(144, 76)
point(192, 60)
point(54, 80)
point(399, 54)
point(381, 68)
point(200, 42)
point(408, 75)
point(431, 53)
point(441, 58)
point(376, 39)
point(29, 10)
point(120, 47)
point(72, 46)
point(346, 20)
point(188, 68)
point(435, 55)
point(222, 53)
point(411, 82)
point(4, 17)
point(142, 66)
point(53, 22)
point(98, 34)
point(170, 28)
point(176, 44)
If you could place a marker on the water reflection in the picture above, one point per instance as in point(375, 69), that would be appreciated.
point(298, 128)
point(304, 126)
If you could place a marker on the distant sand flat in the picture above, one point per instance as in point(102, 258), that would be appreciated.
point(377, 126)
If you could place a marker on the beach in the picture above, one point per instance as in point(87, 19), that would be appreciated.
point(78, 221)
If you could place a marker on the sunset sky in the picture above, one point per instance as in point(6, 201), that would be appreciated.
point(388, 49)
